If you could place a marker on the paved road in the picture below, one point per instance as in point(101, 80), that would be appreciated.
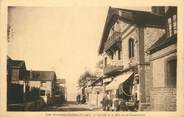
point(70, 106)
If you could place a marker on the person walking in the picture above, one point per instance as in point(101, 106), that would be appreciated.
point(104, 102)
point(78, 99)
point(109, 102)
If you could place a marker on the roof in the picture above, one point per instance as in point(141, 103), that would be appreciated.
point(129, 16)
point(162, 42)
point(16, 63)
point(61, 81)
point(97, 81)
point(43, 75)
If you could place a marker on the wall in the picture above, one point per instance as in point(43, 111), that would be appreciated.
point(35, 84)
point(131, 32)
point(144, 38)
point(148, 83)
point(158, 65)
point(147, 37)
point(151, 35)
point(163, 98)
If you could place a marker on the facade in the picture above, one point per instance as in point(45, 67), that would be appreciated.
point(46, 82)
point(60, 91)
point(16, 81)
point(27, 90)
point(19, 95)
point(16, 71)
point(95, 92)
point(163, 53)
point(126, 38)
point(84, 94)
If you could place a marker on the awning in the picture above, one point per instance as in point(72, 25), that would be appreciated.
point(118, 80)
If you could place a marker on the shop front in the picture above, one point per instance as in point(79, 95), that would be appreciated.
point(121, 91)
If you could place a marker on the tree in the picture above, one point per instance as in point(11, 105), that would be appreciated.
point(85, 78)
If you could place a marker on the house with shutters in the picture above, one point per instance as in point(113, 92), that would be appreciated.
point(127, 36)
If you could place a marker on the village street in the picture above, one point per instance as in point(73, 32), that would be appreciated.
point(128, 64)
point(71, 106)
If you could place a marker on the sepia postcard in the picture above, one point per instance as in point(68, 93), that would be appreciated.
point(91, 58)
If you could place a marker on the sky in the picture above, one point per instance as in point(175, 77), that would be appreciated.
point(62, 39)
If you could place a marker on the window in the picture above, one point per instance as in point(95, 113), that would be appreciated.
point(119, 54)
point(42, 92)
point(131, 48)
point(43, 84)
point(105, 61)
point(112, 55)
point(172, 25)
point(171, 72)
point(15, 75)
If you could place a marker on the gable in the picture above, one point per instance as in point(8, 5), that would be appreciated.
point(139, 18)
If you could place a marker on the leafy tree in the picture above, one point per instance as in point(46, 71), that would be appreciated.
point(85, 78)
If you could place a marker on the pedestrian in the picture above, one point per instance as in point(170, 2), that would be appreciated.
point(78, 98)
point(106, 102)
point(83, 99)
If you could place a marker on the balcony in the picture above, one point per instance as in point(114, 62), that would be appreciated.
point(111, 69)
point(113, 41)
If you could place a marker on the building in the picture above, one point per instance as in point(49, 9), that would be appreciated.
point(84, 89)
point(125, 40)
point(16, 81)
point(16, 71)
point(163, 57)
point(46, 82)
point(26, 90)
point(95, 92)
point(60, 91)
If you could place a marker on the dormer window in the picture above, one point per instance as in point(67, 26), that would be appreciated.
point(131, 48)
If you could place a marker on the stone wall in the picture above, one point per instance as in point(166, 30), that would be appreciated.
point(151, 35)
point(163, 99)
point(158, 61)
point(148, 83)
point(133, 33)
